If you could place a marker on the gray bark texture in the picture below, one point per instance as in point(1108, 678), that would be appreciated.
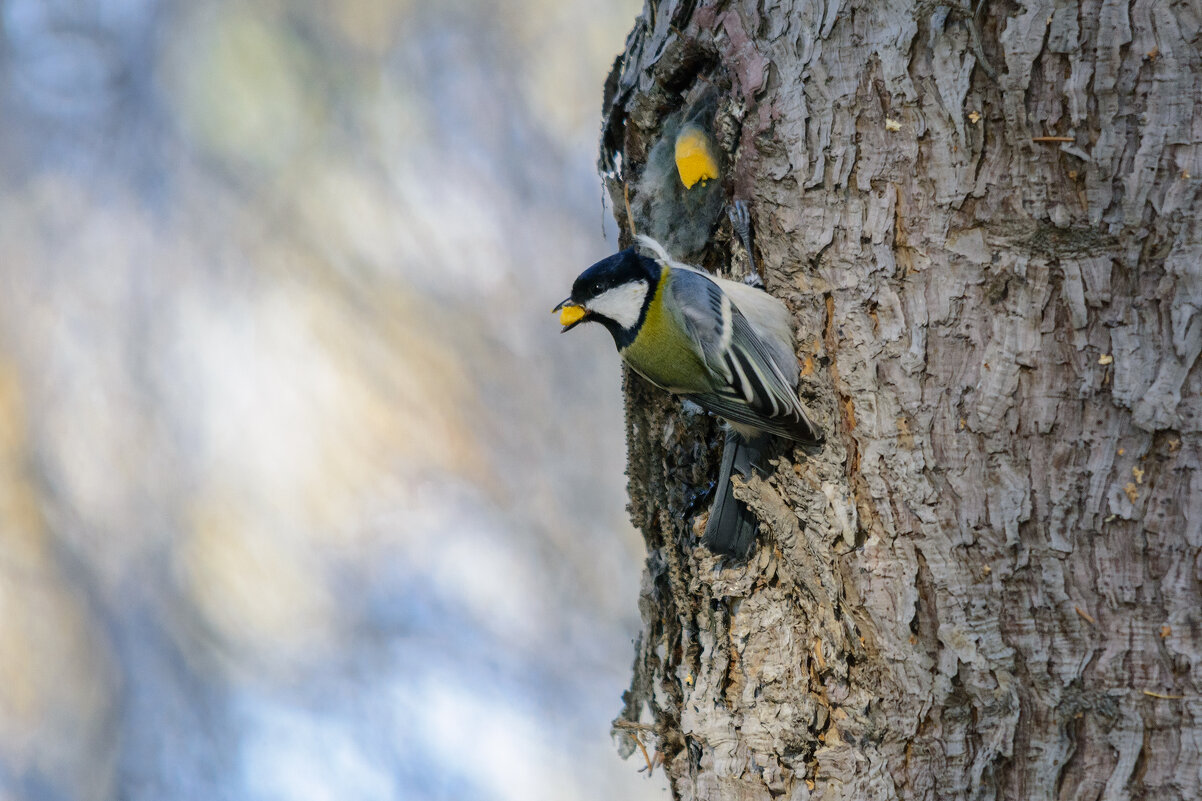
point(988, 583)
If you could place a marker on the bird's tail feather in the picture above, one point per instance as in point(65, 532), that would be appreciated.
point(732, 526)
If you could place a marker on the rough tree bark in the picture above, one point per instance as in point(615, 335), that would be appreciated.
point(988, 584)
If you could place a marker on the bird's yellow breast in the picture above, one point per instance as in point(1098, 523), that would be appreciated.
point(663, 352)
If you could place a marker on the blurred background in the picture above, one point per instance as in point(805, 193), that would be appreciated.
point(302, 494)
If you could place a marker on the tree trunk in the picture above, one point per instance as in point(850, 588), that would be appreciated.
point(988, 583)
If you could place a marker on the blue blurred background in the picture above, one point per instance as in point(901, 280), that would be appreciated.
point(302, 495)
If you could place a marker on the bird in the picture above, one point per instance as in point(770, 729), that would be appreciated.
point(724, 345)
point(682, 189)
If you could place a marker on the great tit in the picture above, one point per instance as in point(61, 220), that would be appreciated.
point(725, 346)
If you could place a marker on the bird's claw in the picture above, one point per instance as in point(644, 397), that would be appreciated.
point(740, 220)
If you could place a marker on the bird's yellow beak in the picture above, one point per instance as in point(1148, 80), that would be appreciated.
point(695, 160)
point(570, 313)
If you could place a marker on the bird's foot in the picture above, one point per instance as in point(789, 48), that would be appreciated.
point(740, 220)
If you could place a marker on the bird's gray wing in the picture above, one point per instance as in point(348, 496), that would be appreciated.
point(703, 310)
point(750, 389)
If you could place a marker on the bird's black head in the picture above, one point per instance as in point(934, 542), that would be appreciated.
point(614, 292)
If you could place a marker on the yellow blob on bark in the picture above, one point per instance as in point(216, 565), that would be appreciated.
point(695, 160)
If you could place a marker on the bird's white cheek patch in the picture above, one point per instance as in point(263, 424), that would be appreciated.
point(622, 304)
